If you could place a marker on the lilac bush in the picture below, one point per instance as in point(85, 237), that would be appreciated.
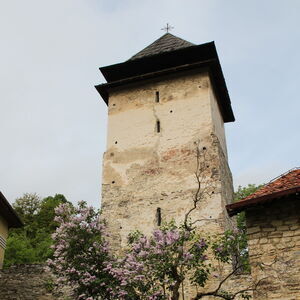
point(81, 252)
point(152, 268)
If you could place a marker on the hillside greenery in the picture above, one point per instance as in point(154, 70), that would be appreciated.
point(31, 243)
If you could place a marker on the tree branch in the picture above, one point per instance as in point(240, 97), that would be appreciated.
point(202, 191)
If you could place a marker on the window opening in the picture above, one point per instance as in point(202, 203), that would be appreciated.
point(157, 96)
point(158, 216)
point(158, 126)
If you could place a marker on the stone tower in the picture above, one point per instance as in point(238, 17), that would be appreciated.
point(164, 103)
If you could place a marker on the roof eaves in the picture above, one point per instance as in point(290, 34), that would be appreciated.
point(128, 64)
point(215, 72)
point(242, 205)
point(124, 81)
point(9, 214)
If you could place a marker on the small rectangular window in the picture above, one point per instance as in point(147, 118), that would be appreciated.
point(158, 216)
point(157, 96)
point(158, 126)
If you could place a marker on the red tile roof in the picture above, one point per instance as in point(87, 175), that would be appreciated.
point(284, 185)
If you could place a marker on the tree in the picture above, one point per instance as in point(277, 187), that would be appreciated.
point(241, 193)
point(46, 215)
point(31, 244)
point(81, 252)
point(27, 207)
point(152, 268)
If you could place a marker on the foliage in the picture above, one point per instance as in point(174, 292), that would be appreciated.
point(46, 215)
point(81, 252)
point(19, 250)
point(156, 266)
point(241, 193)
point(31, 244)
point(152, 268)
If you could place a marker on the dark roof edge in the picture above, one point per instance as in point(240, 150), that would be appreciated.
point(138, 60)
point(9, 214)
point(214, 64)
point(114, 72)
point(237, 207)
point(124, 81)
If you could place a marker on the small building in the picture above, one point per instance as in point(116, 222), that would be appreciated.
point(273, 229)
point(8, 219)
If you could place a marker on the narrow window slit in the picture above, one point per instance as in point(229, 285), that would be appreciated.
point(157, 96)
point(158, 126)
point(158, 216)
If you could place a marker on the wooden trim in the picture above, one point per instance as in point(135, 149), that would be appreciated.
point(2, 242)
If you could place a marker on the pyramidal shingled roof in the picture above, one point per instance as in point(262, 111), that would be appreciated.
point(167, 42)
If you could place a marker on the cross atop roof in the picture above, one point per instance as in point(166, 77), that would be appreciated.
point(167, 28)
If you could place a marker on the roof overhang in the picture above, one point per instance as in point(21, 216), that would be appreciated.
point(8, 213)
point(243, 205)
point(195, 57)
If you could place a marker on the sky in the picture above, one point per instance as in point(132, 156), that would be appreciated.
point(53, 121)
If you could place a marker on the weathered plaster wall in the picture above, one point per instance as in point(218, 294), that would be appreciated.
point(145, 169)
point(3, 237)
point(217, 121)
point(274, 248)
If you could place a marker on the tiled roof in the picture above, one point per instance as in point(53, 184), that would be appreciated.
point(287, 181)
point(167, 42)
point(284, 185)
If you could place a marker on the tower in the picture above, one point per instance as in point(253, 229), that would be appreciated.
point(164, 104)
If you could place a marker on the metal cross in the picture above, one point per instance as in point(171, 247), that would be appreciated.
point(167, 28)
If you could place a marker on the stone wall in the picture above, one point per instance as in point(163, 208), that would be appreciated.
point(145, 171)
point(274, 248)
point(26, 282)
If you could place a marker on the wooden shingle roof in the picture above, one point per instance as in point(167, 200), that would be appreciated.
point(166, 43)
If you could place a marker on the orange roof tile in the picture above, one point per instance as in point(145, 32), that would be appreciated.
point(284, 185)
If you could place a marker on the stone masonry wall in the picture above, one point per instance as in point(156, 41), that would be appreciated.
point(145, 171)
point(274, 248)
point(24, 282)
point(29, 282)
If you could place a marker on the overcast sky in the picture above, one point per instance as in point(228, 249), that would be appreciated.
point(53, 122)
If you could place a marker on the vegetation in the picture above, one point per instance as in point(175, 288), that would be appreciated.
point(152, 268)
point(31, 244)
point(241, 193)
